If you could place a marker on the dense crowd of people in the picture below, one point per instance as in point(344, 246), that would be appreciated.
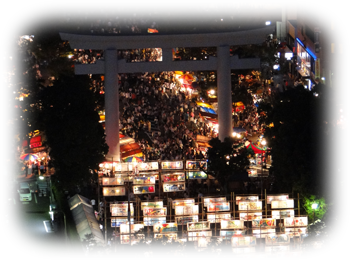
point(175, 116)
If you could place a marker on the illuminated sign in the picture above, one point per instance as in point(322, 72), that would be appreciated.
point(208, 201)
point(113, 191)
point(218, 206)
point(250, 205)
point(186, 210)
point(250, 216)
point(182, 202)
point(141, 189)
point(196, 165)
point(263, 232)
point(270, 198)
point(152, 204)
point(274, 239)
point(186, 219)
point(144, 180)
point(115, 222)
point(295, 222)
point(279, 214)
point(246, 199)
point(176, 165)
point(124, 228)
point(216, 218)
point(227, 234)
point(167, 227)
point(268, 222)
point(148, 221)
point(195, 226)
point(196, 175)
point(173, 187)
point(194, 236)
point(154, 211)
point(173, 177)
point(232, 224)
point(243, 241)
point(121, 210)
point(118, 180)
point(282, 204)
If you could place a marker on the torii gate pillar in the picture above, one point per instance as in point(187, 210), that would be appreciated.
point(112, 104)
point(224, 92)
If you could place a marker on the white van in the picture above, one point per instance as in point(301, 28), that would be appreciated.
point(24, 192)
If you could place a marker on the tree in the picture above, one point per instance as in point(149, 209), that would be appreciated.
point(74, 135)
point(224, 161)
point(296, 138)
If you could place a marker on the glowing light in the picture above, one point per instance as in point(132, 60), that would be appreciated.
point(267, 23)
point(314, 206)
point(234, 134)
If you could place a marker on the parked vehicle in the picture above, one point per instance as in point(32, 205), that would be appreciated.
point(5, 194)
point(24, 192)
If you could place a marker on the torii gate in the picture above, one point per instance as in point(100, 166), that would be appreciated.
point(110, 66)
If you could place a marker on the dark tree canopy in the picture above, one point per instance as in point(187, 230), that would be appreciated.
point(74, 134)
point(225, 162)
point(296, 138)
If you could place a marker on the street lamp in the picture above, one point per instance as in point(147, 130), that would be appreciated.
point(314, 207)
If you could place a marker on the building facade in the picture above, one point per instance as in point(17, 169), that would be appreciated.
point(320, 44)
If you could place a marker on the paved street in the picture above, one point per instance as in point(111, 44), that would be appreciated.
point(27, 230)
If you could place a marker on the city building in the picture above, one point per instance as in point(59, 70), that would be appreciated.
point(319, 41)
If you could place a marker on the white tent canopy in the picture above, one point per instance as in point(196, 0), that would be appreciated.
point(84, 218)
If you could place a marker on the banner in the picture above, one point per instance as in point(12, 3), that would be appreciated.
point(196, 165)
point(174, 187)
point(250, 216)
point(196, 175)
point(273, 239)
point(182, 202)
point(282, 204)
point(216, 218)
point(197, 226)
point(167, 227)
point(186, 210)
point(270, 198)
point(118, 180)
point(295, 222)
point(243, 241)
point(152, 204)
point(268, 222)
point(154, 211)
point(141, 189)
point(279, 214)
point(232, 224)
point(246, 199)
point(144, 180)
point(147, 221)
point(208, 201)
point(114, 191)
point(249, 205)
point(175, 165)
point(186, 219)
point(173, 177)
point(218, 206)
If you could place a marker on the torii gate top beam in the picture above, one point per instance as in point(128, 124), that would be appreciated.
point(102, 42)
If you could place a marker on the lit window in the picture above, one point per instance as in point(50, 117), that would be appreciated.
point(332, 47)
point(332, 25)
point(341, 48)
